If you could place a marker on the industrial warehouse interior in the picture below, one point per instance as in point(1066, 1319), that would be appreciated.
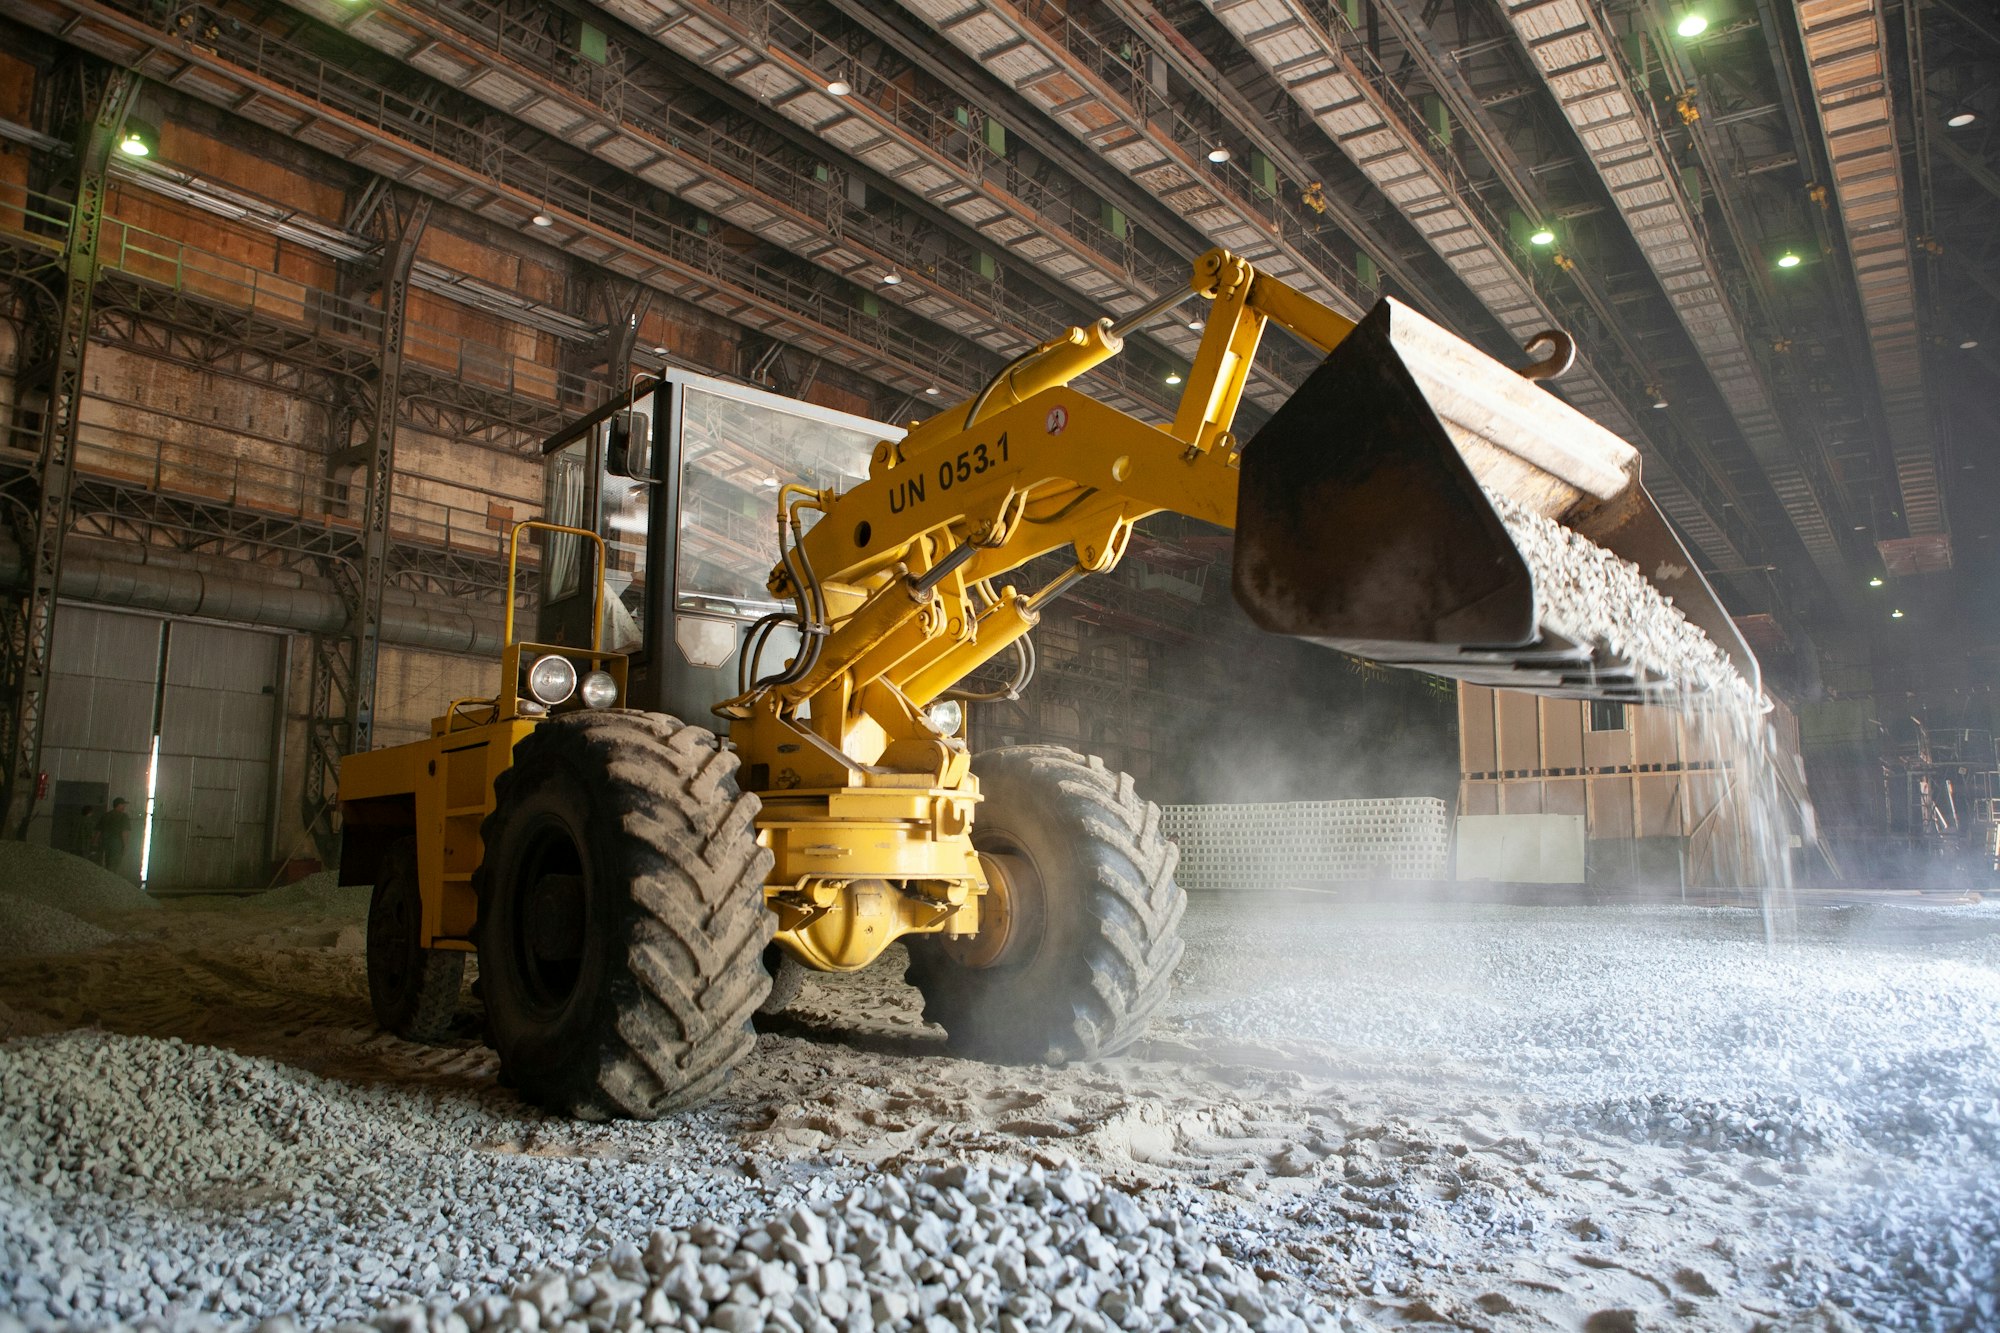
point(831, 665)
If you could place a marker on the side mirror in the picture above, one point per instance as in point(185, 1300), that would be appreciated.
point(628, 446)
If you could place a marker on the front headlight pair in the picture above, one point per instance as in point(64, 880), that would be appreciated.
point(552, 680)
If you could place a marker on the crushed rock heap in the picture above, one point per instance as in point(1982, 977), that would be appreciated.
point(1006, 1247)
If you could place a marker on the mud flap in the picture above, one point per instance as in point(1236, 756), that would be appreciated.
point(1363, 521)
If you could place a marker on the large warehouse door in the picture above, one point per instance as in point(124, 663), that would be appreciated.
point(98, 738)
point(211, 818)
point(209, 694)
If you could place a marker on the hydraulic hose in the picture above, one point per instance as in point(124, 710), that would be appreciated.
point(979, 399)
point(1024, 647)
point(806, 592)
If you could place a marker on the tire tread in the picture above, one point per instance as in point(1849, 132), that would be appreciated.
point(686, 836)
point(1132, 944)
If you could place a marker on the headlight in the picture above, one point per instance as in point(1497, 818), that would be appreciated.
point(599, 690)
point(552, 679)
point(945, 716)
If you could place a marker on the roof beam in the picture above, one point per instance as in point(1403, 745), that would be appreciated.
point(898, 136)
point(1847, 63)
point(1578, 62)
point(1063, 70)
point(599, 230)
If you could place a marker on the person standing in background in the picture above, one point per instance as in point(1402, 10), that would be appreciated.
point(114, 837)
point(90, 835)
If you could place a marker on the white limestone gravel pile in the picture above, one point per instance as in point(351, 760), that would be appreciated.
point(1592, 597)
point(140, 1176)
point(1919, 1250)
point(29, 929)
point(318, 894)
point(107, 1141)
point(1778, 1125)
point(1833, 1101)
point(1008, 1247)
point(1463, 1115)
point(67, 883)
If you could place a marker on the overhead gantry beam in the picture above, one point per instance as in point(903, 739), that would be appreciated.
point(1061, 69)
point(1579, 63)
point(1847, 57)
point(330, 109)
point(901, 138)
point(640, 134)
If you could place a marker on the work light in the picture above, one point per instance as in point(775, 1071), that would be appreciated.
point(552, 679)
point(599, 690)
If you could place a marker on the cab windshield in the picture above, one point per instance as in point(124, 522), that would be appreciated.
point(735, 450)
point(720, 453)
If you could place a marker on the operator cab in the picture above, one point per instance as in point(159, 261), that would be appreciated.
point(701, 460)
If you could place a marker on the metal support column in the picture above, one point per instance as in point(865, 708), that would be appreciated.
point(342, 696)
point(30, 616)
point(623, 305)
point(405, 226)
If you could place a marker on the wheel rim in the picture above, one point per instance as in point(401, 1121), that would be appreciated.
point(551, 918)
point(1013, 915)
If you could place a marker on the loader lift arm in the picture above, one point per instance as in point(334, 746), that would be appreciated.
point(905, 563)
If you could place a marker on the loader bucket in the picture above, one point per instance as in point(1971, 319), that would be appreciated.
point(1366, 520)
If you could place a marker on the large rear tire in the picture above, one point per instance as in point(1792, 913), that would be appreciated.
point(621, 916)
point(1088, 938)
point(413, 990)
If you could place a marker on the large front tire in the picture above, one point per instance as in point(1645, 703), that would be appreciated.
point(1091, 927)
point(621, 916)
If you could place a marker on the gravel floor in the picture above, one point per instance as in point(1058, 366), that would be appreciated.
point(1350, 1116)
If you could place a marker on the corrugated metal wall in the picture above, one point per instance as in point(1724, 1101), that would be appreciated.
point(1637, 777)
point(100, 719)
point(217, 717)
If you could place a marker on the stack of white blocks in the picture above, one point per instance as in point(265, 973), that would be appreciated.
point(1282, 845)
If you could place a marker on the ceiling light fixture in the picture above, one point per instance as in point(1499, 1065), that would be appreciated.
point(1789, 259)
point(1173, 377)
point(1691, 25)
point(933, 391)
point(542, 220)
point(1875, 582)
point(1659, 399)
point(1195, 326)
point(139, 139)
point(1897, 614)
point(839, 87)
point(1958, 120)
point(1542, 237)
point(1218, 155)
point(659, 351)
point(1967, 344)
point(891, 279)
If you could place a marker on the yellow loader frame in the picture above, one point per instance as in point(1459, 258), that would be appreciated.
point(869, 800)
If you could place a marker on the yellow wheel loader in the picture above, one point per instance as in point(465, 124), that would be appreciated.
point(635, 883)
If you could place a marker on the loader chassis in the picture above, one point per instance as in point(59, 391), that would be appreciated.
point(1045, 926)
